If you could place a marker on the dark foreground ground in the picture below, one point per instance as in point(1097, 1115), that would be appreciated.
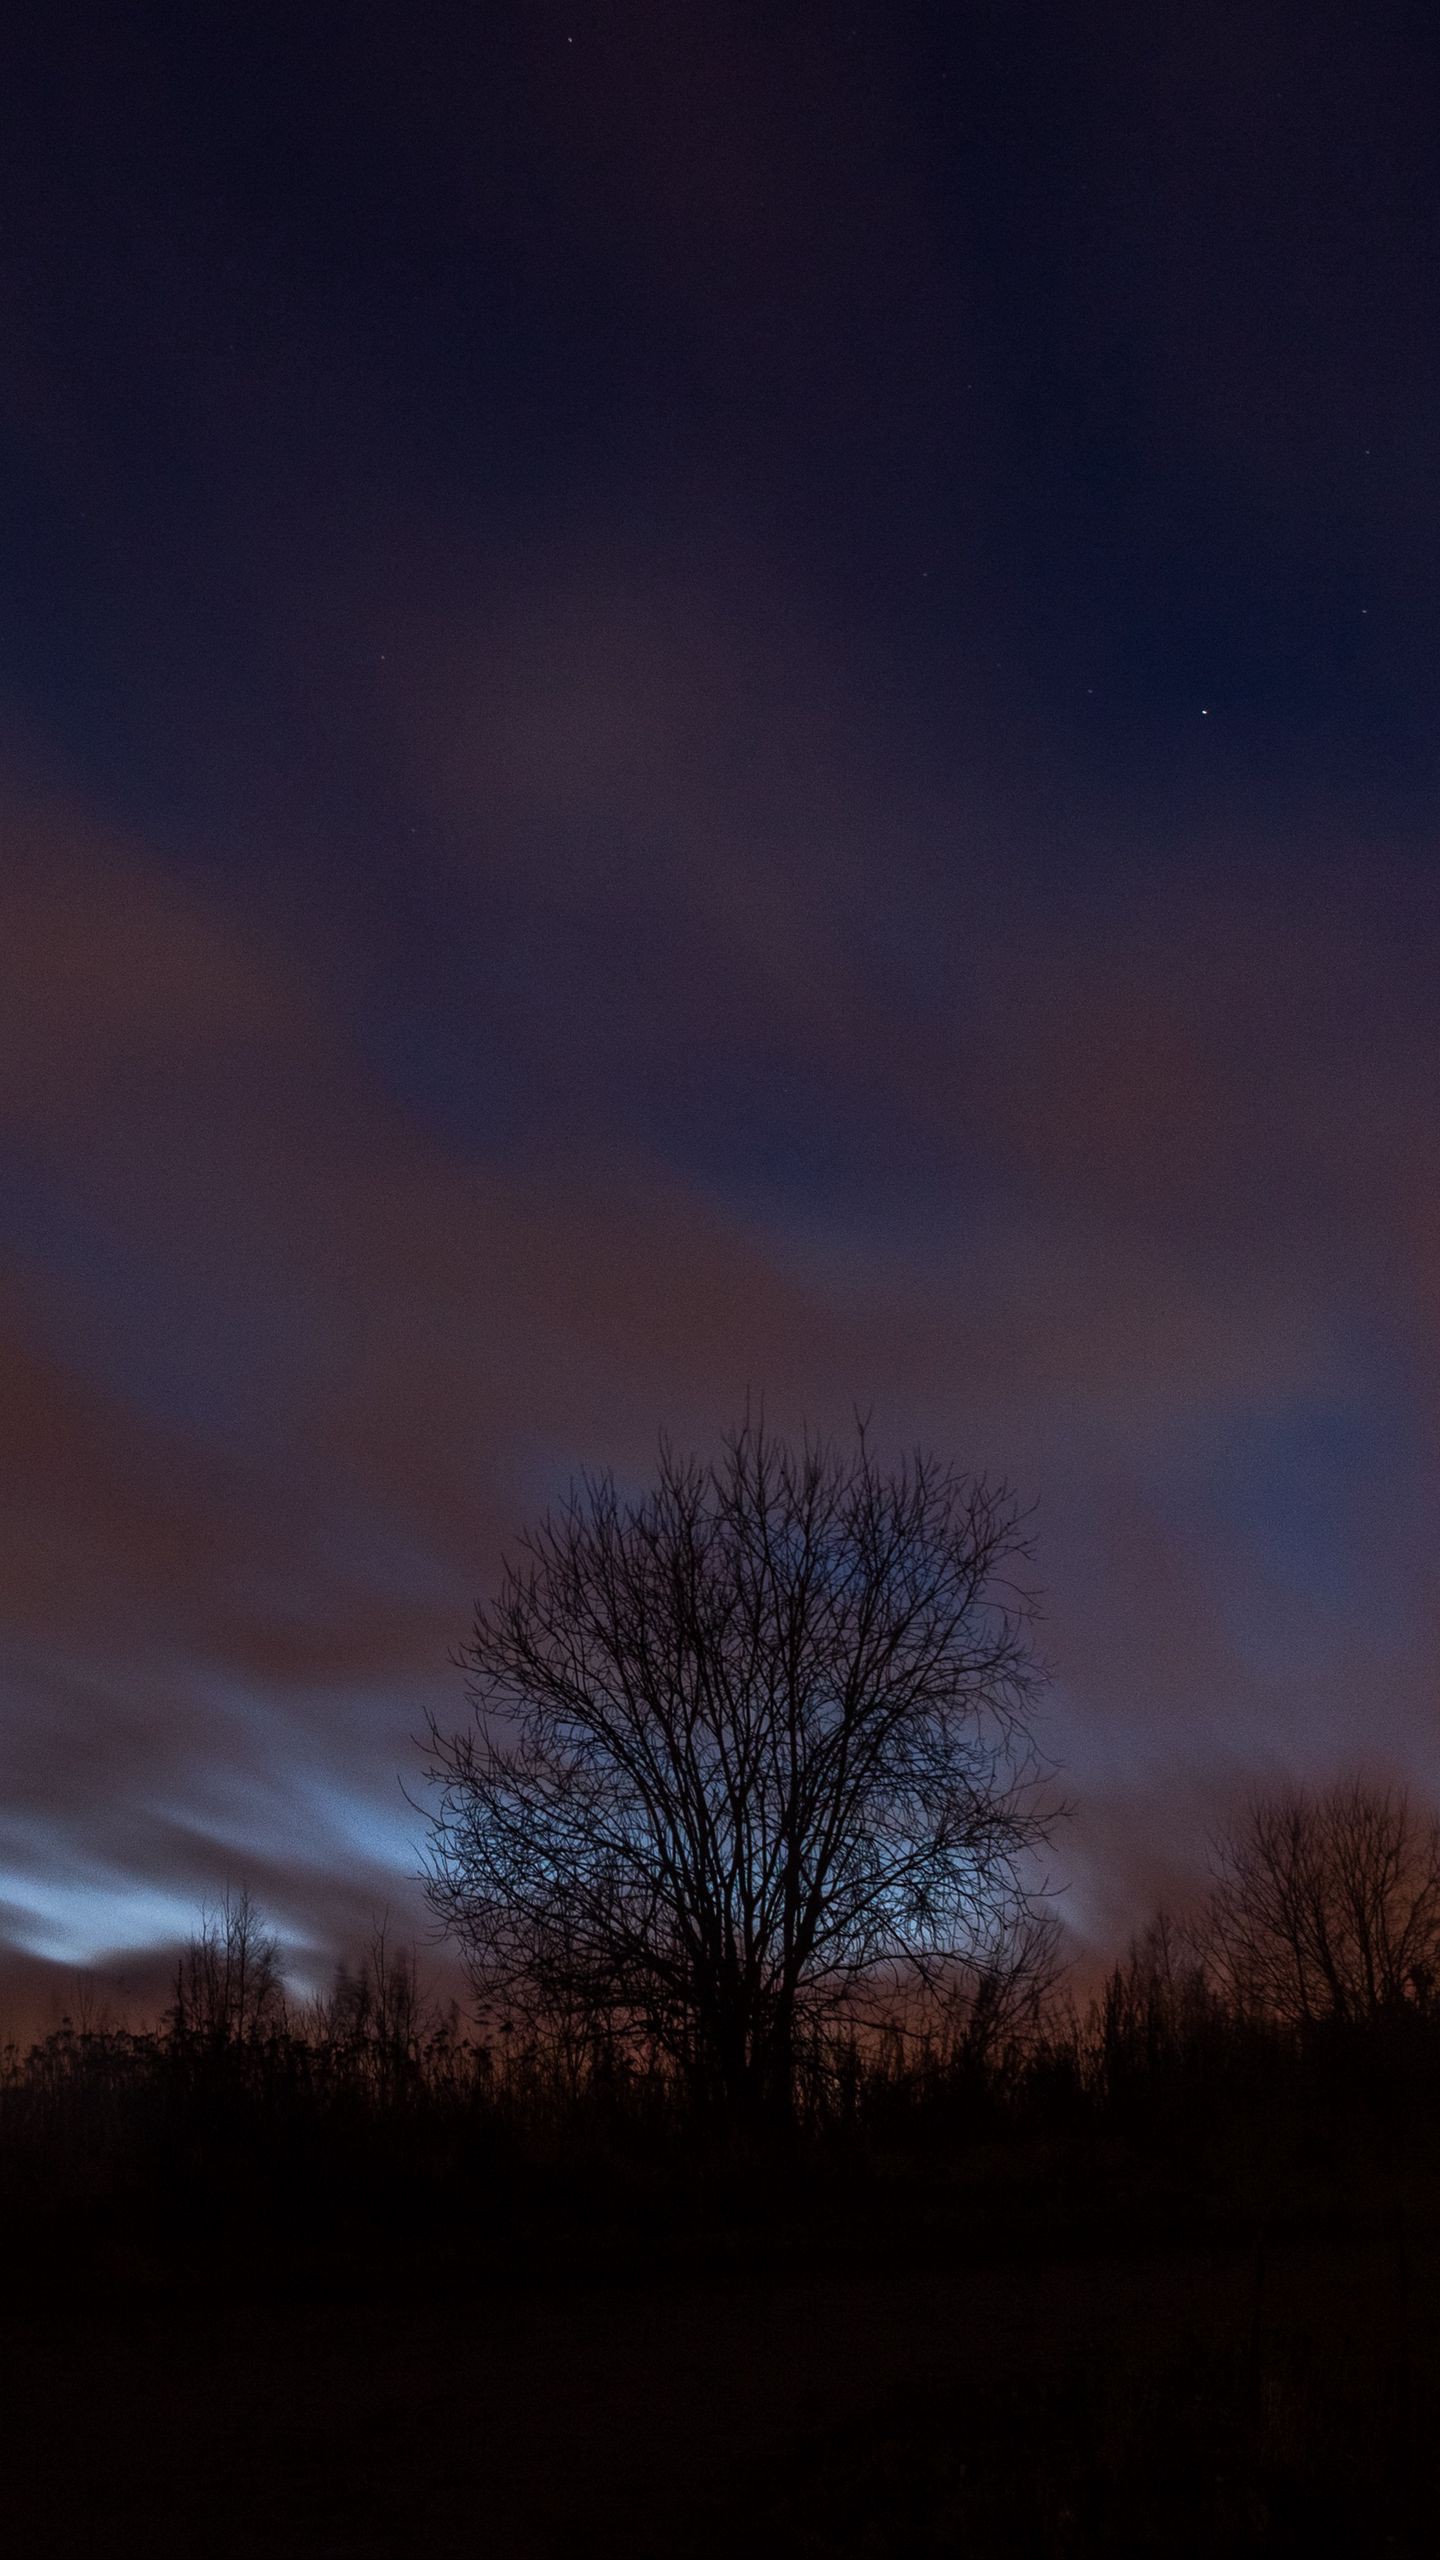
point(1258, 2394)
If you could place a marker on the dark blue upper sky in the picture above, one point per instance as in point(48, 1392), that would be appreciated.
point(1081, 368)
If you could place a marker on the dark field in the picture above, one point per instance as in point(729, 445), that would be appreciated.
point(1156, 2287)
point(1269, 2397)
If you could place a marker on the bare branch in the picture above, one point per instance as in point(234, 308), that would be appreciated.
point(739, 1751)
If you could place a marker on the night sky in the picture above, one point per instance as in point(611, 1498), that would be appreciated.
point(705, 699)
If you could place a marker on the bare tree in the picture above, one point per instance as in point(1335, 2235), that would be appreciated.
point(742, 1752)
point(378, 2015)
point(1327, 1906)
point(229, 1985)
point(1157, 2010)
point(996, 2003)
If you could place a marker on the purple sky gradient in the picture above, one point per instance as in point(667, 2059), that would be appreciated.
point(1122, 1212)
point(699, 709)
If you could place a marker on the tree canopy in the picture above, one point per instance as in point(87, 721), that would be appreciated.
point(743, 1751)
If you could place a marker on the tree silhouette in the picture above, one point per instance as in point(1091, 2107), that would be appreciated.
point(1327, 1906)
point(743, 1752)
point(229, 1985)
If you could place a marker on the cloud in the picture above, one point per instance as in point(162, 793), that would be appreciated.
point(289, 1347)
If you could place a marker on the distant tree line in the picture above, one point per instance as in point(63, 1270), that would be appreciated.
point(1317, 1949)
point(742, 1846)
point(1320, 1935)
